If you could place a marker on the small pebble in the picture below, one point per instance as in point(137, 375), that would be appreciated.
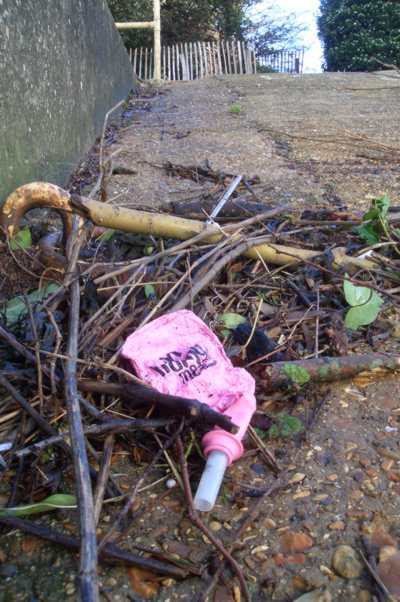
point(292, 542)
point(389, 572)
point(70, 589)
point(297, 478)
point(386, 552)
point(346, 563)
point(338, 525)
point(302, 494)
point(387, 465)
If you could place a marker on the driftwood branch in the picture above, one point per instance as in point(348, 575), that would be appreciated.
point(179, 406)
point(330, 369)
point(113, 426)
point(26, 406)
point(103, 476)
point(39, 194)
point(89, 591)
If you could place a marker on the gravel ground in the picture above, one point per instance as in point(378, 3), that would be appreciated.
point(316, 139)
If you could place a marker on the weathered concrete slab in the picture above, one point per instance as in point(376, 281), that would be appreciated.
point(62, 66)
point(330, 137)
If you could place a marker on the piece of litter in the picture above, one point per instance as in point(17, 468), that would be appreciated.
point(5, 446)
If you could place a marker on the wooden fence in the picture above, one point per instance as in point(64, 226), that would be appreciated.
point(283, 61)
point(195, 60)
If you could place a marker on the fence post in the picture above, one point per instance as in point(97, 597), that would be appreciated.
point(163, 63)
point(189, 56)
point(134, 61)
point(157, 39)
point(200, 60)
point(206, 70)
point(239, 50)
point(195, 61)
point(140, 63)
point(225, 68)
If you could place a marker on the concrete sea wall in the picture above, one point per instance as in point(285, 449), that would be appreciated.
point(62, 67)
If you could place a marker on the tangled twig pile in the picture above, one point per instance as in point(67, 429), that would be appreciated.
point(270, 284)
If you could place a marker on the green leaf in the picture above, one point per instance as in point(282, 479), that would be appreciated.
point(16, 308)
point(365, 304)
point(356, 295)
point(362, 315)
point(53, 502)
point(22, 240)
point(150, 291)
point(148, 249)
point(382, 205)
point(368, 233)
point(107, 235)
point(286, 426)
point(375, 221)
point(235, 108)
point(231, 320)
point(273, 432)
point(297, 374)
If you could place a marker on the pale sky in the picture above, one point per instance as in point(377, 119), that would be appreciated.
point(306, 10)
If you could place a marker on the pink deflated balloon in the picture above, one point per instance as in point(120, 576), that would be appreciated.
point(178, 354)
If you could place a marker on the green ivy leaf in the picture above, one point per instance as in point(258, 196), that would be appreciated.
point(16, 308)
point(356, 295)
point(273, 432)
point(286, 426)
point(150, 291)
point(53, 502)
point(365, 304)
point(22, 240)
point(107, 235)
point(382, 205)
point(297, 374)
point(368, 233)
point(231, 320)
point(362, 315)
point(375, 221)
point(148, 249)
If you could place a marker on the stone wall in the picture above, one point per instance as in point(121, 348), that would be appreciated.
point(62, 67)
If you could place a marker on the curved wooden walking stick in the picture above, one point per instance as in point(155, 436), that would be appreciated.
point(33, 196)
point(41, 194)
